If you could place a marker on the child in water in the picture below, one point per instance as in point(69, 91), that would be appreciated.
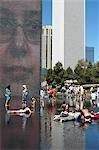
point(7, 95)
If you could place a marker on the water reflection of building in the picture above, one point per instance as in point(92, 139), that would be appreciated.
point(46, 128)
point(57, 135)
point(61, 136)
point(67, 137)
point(74, 138)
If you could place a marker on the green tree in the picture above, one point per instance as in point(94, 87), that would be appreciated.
point(82, 63)
point(68, 74)
point(50, 76)
point(95, 73)
point(58, 68)
point(58, 73)
point(84, 72)
point(88, 73)
point(79, 73)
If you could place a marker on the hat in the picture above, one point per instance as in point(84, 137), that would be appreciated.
point(8, 87)
point(24, 86)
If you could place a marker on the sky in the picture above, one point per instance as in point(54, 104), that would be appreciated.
point(91, 24)
point(46, 12)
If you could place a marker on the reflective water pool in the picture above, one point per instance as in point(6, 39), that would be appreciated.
point(67, 135)
point(18, 132)
point(41, 132)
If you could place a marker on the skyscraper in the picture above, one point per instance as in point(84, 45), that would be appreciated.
point(68, 41)
point(46, 56)
point(90, 54)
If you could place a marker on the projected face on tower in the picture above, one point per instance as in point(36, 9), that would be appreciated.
point(20, 25)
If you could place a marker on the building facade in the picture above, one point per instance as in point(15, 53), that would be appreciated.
point(90, 54)
point(68, 41)
point(46, 55)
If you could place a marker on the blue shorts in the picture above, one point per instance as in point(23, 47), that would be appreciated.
point(7, 98)
point(25, 98)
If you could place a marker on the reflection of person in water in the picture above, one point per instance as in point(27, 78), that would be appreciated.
point(25, 113)
point(7, 116)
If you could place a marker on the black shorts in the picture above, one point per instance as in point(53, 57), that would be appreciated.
point(50, 96)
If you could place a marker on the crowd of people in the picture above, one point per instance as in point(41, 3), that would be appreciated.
point(78, 98)
point(72, 96)
point(80, 114)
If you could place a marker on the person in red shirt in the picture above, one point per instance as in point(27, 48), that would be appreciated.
point(50, 92)
point(54, 92)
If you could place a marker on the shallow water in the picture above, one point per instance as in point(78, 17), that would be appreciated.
point(41, 132)
point(17, 132)
point(92, 137)
point(67, 135)
point(61, 136)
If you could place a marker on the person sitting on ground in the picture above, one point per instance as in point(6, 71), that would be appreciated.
point(86, 116)
point(64, 109)
point(77, 114)
point(25, 110)
point(64, 106)
point(64, 113)
point(21, 112)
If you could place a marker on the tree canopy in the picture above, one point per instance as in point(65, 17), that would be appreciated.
point(84, 72)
